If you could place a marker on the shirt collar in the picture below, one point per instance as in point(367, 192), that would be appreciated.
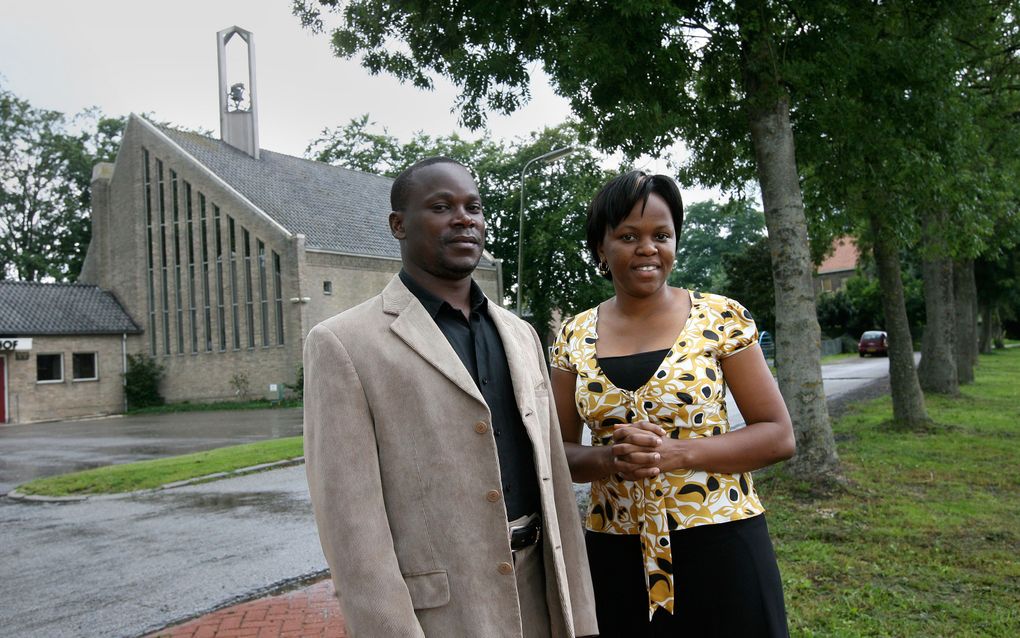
point(434, 304)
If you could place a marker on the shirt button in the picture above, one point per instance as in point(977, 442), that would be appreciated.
point(492, 496)
point(505, 568)
point(481, 427)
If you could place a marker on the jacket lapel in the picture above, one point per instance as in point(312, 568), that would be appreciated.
point(417, 329)
point(517, 348)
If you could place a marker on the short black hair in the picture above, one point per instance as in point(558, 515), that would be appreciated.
point(617, 198)
point(401, 188)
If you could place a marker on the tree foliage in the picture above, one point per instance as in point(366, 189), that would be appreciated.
point(909, 156)
point(638, 75)
point(46, 164)
point(857, 307)
point(713, 232)
point(749, 280)
point(556, 274)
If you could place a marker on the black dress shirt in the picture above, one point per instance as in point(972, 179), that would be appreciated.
point(477, 342)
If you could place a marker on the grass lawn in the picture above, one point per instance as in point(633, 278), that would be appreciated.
point(148, 474)
point(836, 358)
point(925, 540)
point(185, 406)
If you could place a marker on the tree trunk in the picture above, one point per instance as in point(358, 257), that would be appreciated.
point(965, 296)
point(937, 371)
point(985, 344)
point(996, 330)
point(909, 410)
point(798, 336)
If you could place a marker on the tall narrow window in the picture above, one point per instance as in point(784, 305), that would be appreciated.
point(278, 291)
point(249, 308)
point(221, 313)
point(192, 310)
point(233, 282)
point(149, 285)
point(178, 297)
point(161, 191)
point(263, 292)
point(206, 302)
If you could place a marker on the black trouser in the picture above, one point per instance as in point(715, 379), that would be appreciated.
point(726, 583)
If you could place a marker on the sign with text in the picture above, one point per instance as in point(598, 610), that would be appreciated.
point(15, 343)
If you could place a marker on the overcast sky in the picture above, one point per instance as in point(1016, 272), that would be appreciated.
point(141, 56)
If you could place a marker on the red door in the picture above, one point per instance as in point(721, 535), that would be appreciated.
point(3, 390)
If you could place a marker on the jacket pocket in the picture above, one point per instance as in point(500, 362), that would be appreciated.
point(428, 589)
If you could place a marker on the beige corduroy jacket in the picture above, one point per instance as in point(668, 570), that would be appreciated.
point(402, 464)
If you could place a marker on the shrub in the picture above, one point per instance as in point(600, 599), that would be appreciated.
point(298, 387)
point(241, 385)
point(141, 381)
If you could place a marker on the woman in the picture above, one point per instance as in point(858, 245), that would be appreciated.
point(676, 538)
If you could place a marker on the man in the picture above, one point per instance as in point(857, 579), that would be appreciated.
point(435, 464)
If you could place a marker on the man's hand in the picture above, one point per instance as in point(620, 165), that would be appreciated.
point(636, 449)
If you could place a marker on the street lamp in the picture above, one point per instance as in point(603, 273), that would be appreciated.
point(547, 158)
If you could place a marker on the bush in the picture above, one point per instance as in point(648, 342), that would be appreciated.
point(298, 387)
point(241, 385)
point(141, 381)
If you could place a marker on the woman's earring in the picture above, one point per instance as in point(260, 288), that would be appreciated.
point(603, 268)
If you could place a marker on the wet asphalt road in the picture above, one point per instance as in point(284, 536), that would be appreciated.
point(46, 449)
point(123, 567)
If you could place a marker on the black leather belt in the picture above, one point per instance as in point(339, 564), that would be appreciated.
point(526, 535)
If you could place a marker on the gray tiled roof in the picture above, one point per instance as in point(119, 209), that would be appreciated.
point(30, 308)
point(334, 208)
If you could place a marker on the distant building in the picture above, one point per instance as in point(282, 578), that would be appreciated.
point(221, 256)
point(839, 266)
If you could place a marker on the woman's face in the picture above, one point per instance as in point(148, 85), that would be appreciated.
point(641, 250)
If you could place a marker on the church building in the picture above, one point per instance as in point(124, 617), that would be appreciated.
point(221, 256)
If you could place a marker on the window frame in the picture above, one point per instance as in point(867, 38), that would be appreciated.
point(95, 367)
point(60, 358)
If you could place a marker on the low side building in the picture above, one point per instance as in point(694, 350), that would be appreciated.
point(62, 351)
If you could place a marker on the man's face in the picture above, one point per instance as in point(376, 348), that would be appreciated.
point(442, 230)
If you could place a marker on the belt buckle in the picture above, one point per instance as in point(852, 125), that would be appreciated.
point(527, 534)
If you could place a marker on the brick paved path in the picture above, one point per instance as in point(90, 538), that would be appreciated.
point(309, 611)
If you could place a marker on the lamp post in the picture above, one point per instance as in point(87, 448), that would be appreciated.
point(547, 158)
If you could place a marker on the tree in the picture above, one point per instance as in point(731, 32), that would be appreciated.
point(637, 75)
point(711, 233)
point(557, 275)
point(895, 152)
point(749, 279)
point(45, 171)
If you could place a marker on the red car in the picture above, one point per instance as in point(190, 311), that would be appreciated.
point(873, 342)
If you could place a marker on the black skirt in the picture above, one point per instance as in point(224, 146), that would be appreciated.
point(726, 583)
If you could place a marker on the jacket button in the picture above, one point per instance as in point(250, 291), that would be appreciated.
point(481, 427)
point(506, 569)
point(492, 496)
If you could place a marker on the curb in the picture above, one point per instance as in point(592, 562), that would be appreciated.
point(269, 591)
point(275, 465)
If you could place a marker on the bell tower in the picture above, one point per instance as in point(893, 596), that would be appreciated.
point(239, 123)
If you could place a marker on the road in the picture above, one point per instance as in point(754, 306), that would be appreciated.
point(838, 379)
point(45, 449)
point(122, 567)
